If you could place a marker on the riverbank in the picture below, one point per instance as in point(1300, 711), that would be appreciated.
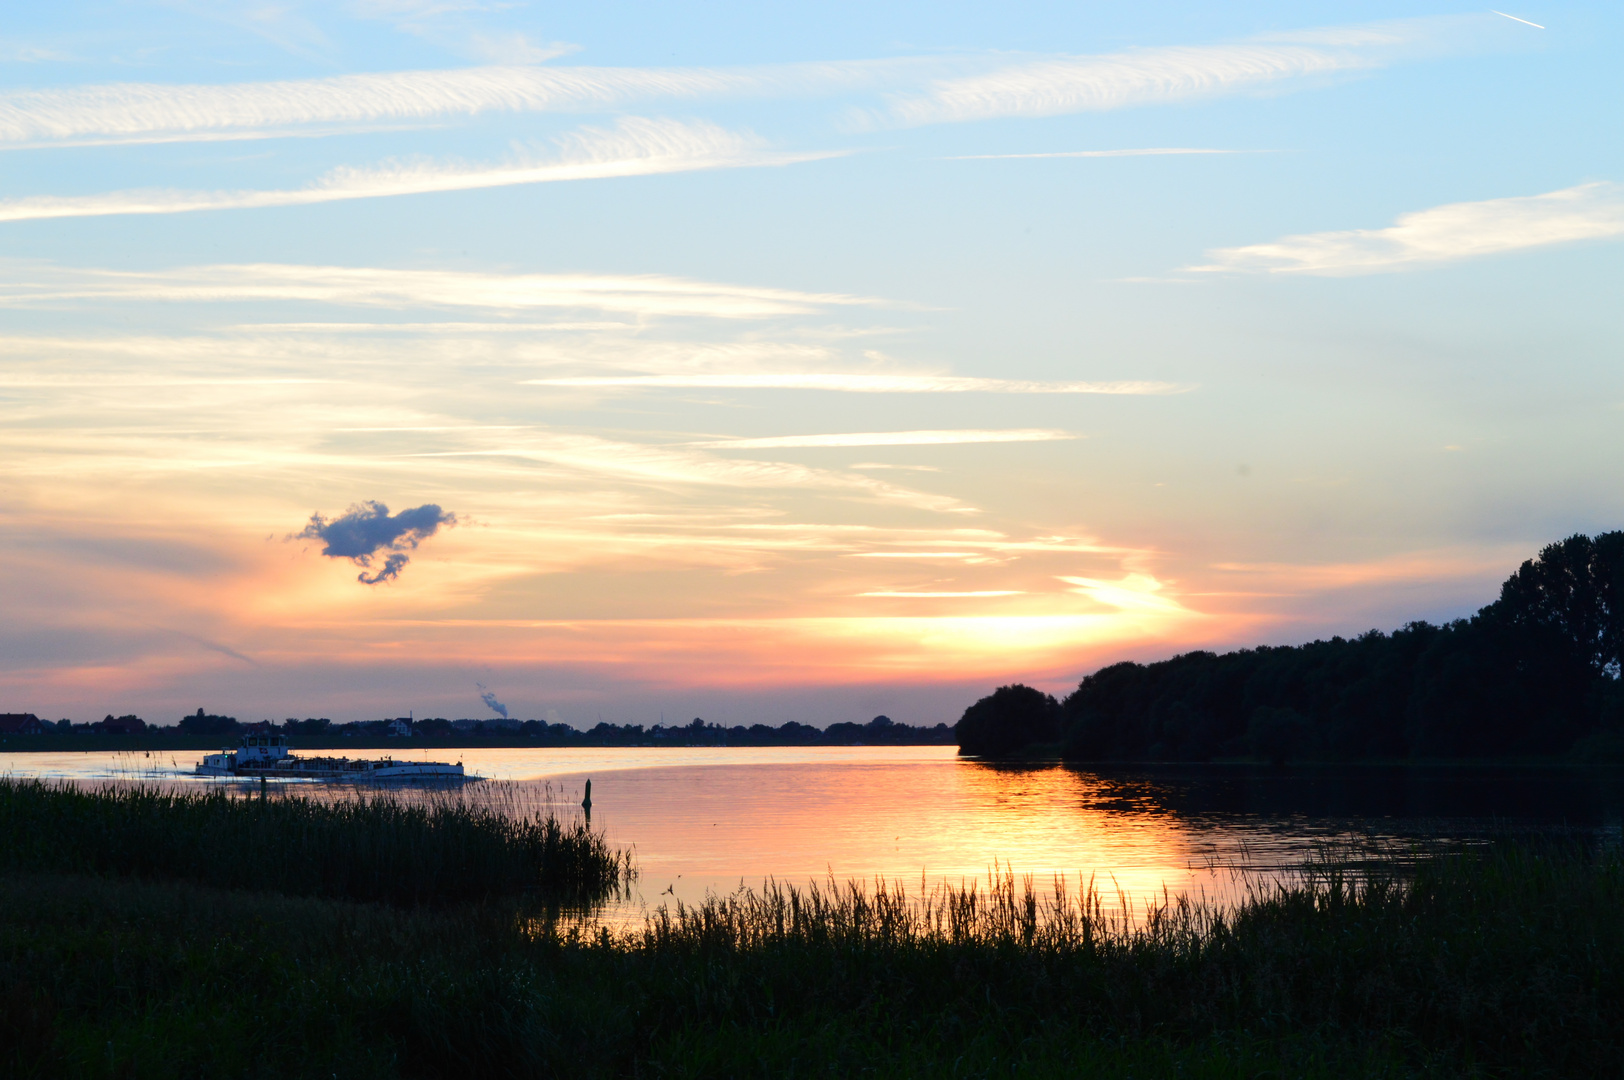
point(1503, 960)
point(165, 739)
point(1045, 757)
point(366, 847)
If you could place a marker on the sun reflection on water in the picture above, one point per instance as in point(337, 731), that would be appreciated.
point(710, 821)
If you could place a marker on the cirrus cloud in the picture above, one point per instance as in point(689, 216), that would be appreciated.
point(1054, 86)
point(858, 383)
point(1437, 235)
point(637, 146)
point(155, 112)
point(641, 295)
point(889, 438)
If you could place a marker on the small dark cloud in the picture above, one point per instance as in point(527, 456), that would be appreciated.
point(387, 572)
point(213, 646)
point(367, 531)
point(491, 703)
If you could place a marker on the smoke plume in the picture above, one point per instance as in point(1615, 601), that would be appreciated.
point(491, 703)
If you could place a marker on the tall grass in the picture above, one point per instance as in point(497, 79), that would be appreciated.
point(370, 847)
point(1503, 960)
point(1507, 960)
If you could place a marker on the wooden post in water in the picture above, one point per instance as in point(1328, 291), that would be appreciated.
point(586, 803)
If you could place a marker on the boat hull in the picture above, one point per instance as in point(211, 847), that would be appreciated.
point(364, 772)
point(393, 771)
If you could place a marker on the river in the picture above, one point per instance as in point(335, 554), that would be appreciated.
point(708, 820)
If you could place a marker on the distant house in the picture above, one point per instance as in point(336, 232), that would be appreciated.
point(121, 725)
point(400, 726)
point(20, 723)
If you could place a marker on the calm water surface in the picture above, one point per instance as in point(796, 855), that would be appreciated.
point(708, 820)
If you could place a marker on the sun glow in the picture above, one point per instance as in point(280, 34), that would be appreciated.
point(379, 383)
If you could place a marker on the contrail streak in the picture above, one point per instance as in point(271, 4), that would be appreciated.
point(1514, 18)
point(1153, 151)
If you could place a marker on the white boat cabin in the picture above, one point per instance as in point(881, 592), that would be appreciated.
point(262, 749)
point(256, 749)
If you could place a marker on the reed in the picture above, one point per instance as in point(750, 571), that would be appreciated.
point(1504, 960)
point(367, 847)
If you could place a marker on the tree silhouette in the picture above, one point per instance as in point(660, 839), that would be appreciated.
point(1006, 720)
point(1535, 673)
point(1575, 588)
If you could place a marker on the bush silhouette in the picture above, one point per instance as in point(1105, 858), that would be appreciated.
point(1008, 719)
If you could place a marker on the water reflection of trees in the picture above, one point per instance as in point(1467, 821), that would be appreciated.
point(1552, 795)
point(1208, 827)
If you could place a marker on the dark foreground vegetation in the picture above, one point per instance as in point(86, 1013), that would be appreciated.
point(1500, 961)
point(370, 847)
point(1534, 674)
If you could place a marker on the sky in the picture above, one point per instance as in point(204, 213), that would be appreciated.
point(638, 362)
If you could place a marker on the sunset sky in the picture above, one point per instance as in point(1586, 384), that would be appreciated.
point(769, 363)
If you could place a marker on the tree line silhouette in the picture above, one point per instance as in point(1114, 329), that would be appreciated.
point(211, 729)
point(1536, 673)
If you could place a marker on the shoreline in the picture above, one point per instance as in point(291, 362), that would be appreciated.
point(23, 744)
point(1298, 766)
point(1501, 960)
point(138, 743)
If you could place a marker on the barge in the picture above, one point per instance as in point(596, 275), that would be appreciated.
point(267, 756)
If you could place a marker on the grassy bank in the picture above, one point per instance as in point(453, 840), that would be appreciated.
point(1497, 962)
point(367, 848)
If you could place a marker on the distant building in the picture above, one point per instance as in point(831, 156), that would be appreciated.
point(20, 723)
point(485, 727)
point(400, 725)
point(120, 725)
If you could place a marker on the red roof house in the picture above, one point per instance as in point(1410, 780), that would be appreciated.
point(20, 723)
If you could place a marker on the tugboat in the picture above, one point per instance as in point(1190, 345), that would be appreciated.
point(267, 755)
